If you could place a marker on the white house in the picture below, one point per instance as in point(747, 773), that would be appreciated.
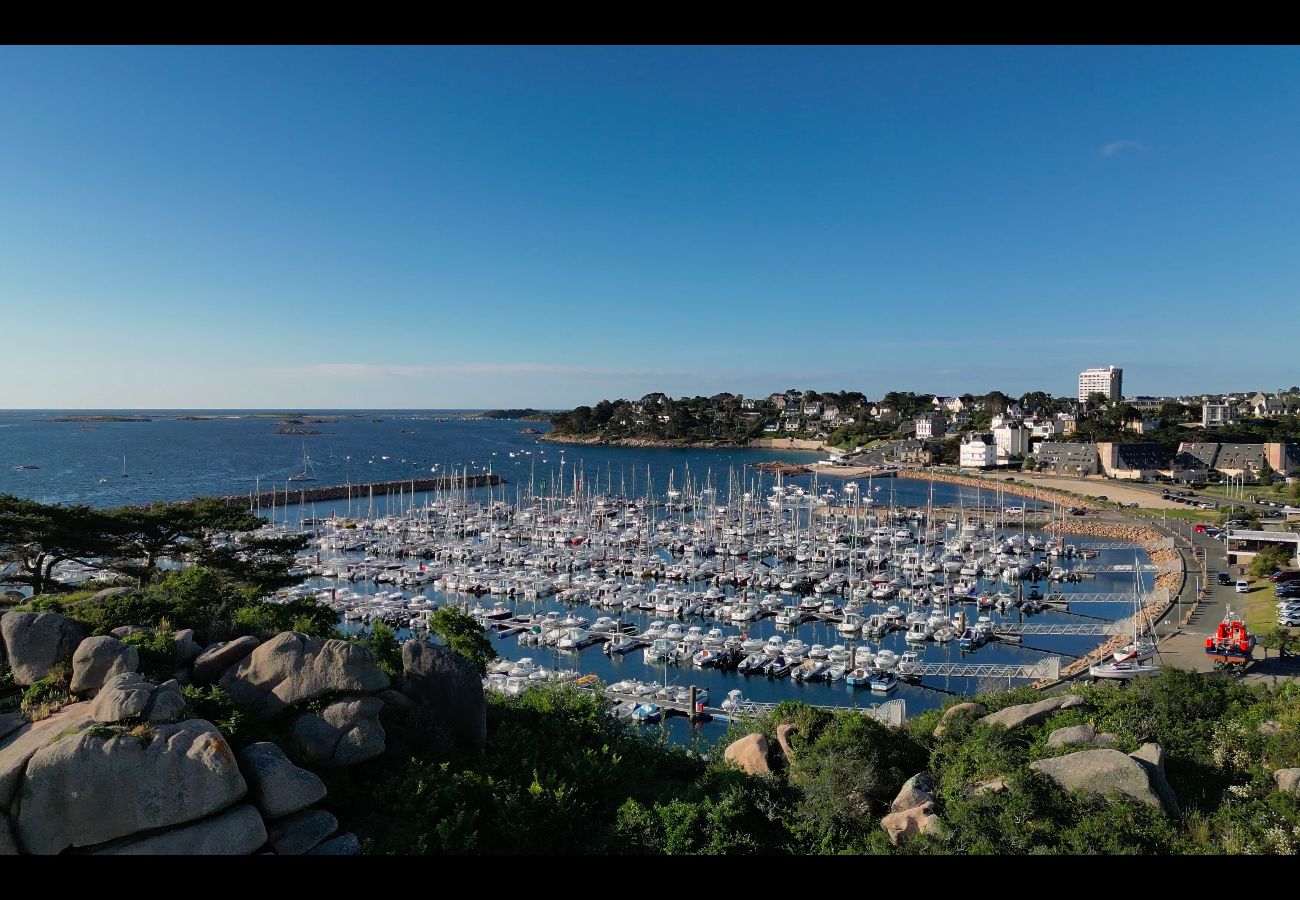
point(930, 426)
point(978, 451)
point(1011, 440)
point(1217, 415)
point(1266, 407)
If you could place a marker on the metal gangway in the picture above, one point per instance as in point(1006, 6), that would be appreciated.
point(1049, 667)
point(1157, 596)
point(1089, 629)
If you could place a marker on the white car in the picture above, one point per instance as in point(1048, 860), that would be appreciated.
point(1289, 619)
point(1243, 586)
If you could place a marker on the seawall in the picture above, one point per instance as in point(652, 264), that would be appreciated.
point(378, 488)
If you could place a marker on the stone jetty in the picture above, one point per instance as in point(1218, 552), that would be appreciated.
point(377, 488)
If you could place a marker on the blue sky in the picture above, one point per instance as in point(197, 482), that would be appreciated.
point(471, 227)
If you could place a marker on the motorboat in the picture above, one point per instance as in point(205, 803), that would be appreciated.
point(883, 681)
point(735, 701)
point(860, 677)
point(809, 670)
point(648, 713)
point(796, 649)
point(918, 633)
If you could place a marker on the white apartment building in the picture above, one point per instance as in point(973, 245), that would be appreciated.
point(978, 451)
point(1108, 381)
point(930, 426)
point(1011, 440)
point(1216, 415)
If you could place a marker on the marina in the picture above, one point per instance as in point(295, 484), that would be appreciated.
point(723, 588)
point(913, 588)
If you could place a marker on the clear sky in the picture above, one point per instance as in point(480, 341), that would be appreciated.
point(473, 227)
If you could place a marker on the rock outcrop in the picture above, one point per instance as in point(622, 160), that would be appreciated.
point(99, 658)
point(447, 684)
point(20, 746)
point(131, 696)
point(783, 733)
point(11, 722)
point(1101, 772)
point(908, 822)
point(213, 662)
point(343, 845)
point(187, 650)
point(750, 754)
point(1079, 736)
point(275, 784)
point(235, 832)
point(87, 789)
point(1032, 713)
point(292, 667)
point(8, 846)
point(344, 733)
point(37, 642)
point(1288, 780)
point(914, 792)
point(296, 834)
point(959, 709)
point(989, 786)
point(1152, 758)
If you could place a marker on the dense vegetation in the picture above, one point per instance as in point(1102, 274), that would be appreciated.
point(729, 419)
point(219, 594)
point(131, 541)
point(561, 776)
point(527, 413)
point(719, 419)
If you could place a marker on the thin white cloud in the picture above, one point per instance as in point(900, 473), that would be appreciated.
point(488, 369)
point(1114, 148)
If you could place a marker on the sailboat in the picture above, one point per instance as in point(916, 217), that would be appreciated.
point(308, 472)
point(1133, 660)
point(124, 475)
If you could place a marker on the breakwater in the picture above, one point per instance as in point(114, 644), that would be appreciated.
point(1020, 489)
point(373, 488)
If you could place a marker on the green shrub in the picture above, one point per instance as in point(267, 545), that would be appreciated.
point(382, 642)
point(157, 649)
point(48, 695)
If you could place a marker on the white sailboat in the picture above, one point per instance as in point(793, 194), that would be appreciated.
point(1134, 659)
point(308, 472)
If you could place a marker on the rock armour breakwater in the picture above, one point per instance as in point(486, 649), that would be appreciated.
point(378, 488)
point(1170, 579)
point(1009, 487)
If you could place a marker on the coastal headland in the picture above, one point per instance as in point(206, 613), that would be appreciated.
point(669, 443)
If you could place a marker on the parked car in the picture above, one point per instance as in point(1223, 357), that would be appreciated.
point(1224, 578)
point(1289, 620)
point(1243, 586)
point(1285, 575)
point(1200, 529)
